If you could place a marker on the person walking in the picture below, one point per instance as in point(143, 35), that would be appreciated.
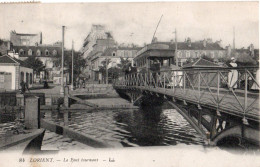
point(22, 84)
point(232, 75)
point(255, 85)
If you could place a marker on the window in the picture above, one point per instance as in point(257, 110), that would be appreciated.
point(30, 78)
point(179, 54)
point(38, 52)
point(21, 52)
point(126, 53)
point(129, 53)
point(22, 76)
point(196, 54)
point(30, 52)
point(199, 54)
point(54, 53)
point(212, 54)
point(220, 54)
point(46, 53)
point(188, 54)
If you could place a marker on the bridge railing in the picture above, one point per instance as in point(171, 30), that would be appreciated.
point(230, 88)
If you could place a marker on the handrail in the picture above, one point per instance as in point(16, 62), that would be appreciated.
point(198, 84)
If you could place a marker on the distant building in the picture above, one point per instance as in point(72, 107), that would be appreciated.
point(193, 50)
point(5, 46)
point(46, 53)
point(13, 71)
point(18, 39)
point(248, 55)
point(114, 55)
point(30, 45)
point(97, 32)
point(96, 41)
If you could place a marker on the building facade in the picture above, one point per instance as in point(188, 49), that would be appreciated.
point(96, 41)
point(5, 46)
point(30, 45)
point(12, 72)
point(193, 50)
point(48, 54)
point(114, 56)
point(19, 39)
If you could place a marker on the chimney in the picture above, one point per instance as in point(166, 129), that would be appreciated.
point(40, 37)
point(219, 43)
point(13, 54)
point(204, 43)
point(251, 50)
point(229, 50)
point(189, 42)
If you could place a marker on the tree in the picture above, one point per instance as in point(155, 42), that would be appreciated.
point(36, 64)
point(79, 63)
point(103, 67)
point(124, 64)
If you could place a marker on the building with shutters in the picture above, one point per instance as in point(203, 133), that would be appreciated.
point(13, 71)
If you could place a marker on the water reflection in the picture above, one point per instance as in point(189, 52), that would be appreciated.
point(144, 127)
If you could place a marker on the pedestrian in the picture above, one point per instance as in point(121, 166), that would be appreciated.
point(255, 85)
point(22, 84)
point(232, 75)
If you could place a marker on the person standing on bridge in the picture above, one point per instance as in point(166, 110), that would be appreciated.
point(232, 75)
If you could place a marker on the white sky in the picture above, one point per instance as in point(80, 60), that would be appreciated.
point(197, 20)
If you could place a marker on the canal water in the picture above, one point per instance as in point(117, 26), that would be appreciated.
point(131, 127)
point(126, 127)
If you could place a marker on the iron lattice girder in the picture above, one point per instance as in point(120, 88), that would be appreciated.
point(199, 88)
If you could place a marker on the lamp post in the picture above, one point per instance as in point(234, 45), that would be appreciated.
point(72, 57)
point(62, 63)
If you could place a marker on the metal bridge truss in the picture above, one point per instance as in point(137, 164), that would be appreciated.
point(219, 110)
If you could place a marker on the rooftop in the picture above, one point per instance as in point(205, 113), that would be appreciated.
point(6, 59)
point(42, 48)
point(201, 63)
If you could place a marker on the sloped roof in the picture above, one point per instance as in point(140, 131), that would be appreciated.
point(193, 46)
point(201, 63)
point(42, 48)
point(109, 51)
point(6, 59)
point(22, 63)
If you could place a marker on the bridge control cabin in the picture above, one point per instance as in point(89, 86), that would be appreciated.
point(154, 57)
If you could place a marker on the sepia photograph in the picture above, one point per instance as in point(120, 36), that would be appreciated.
point(129, 84)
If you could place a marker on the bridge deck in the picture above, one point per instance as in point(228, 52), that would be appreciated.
point(229, 104)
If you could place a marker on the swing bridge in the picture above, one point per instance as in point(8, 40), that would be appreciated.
point(204, 97)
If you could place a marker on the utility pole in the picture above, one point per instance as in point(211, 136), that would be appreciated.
point(156, 28)
point(72, 70)
point(62, 63)
point(176, 48)
point(106, 71)
point(234, 40)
